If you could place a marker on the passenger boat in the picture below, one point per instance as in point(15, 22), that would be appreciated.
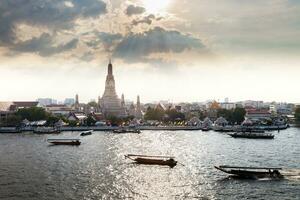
point(251, 172)
point(252, 135)
point(153, 160)
point(85, 133)
point(61, 141)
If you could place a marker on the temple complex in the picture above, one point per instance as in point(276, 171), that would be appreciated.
point(110, 103)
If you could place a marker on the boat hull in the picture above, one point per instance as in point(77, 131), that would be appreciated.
point(74, 143)
point(147, 161)
point(251, 136)
point(251, 174)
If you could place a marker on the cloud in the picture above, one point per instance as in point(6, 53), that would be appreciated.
point(146, 20)
point(43, 45)
point(134, 10)
point(138, 46)
point(108, 40)
point(52, 14)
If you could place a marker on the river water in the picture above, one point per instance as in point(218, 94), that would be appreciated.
point(31, 169)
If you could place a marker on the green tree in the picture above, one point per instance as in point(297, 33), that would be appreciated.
point(154, 114)
point(297, 114)
point(93, 104)
point(238, 115)
point(13, 120)
point(174, 115)
point(114, 121)
point(90, 121)
point(32, 114)
point(51, 120)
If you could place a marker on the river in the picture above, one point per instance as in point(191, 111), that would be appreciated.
point(32, 169)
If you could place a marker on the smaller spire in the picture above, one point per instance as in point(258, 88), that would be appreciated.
point(138, 100)
point(122, 100)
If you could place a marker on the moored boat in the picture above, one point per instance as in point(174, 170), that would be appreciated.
point(129, 130)
point(251, 172)
point(153, 160)
point(46, 130)
point(252, 135)
point(62, 141)
point(85, 133)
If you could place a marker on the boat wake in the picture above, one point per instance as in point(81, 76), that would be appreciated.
point(291, 174)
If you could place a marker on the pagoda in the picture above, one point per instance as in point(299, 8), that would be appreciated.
point(110, 103)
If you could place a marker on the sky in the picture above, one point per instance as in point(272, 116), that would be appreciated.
point(177, 50)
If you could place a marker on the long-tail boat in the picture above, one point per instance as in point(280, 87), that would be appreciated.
point(62, 141)
point(251, 172)
point(153, 160)
point(124, 130)
point(252, 135)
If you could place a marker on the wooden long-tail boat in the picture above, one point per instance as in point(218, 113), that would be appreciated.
point(130, 130)
point(153, 160)
point(251, 172)
point(252, 135)
point(62, 141)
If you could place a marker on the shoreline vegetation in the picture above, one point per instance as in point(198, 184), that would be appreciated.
point(34, 118)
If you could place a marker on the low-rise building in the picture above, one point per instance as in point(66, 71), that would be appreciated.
point(59, 109)
point(258, 114)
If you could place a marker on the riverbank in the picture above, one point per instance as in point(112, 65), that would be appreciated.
point(153, 128)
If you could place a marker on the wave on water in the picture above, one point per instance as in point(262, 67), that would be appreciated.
point(291, 174)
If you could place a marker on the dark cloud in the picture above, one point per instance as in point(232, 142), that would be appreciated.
point(146, 20)
point(108, 40)
point(136, 47)
point(134, 10)
point(43, 45)
point(53, 14)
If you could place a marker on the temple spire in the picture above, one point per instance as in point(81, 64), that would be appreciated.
point(110, 68)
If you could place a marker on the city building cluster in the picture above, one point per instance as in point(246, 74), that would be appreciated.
point(110, 105)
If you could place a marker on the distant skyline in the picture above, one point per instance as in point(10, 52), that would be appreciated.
point(182, 51)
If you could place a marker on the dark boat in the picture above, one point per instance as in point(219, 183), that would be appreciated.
point(252, 135)
point(64, 141)
point(153, 160)
point(123, 130)
point(251, 172)
point(46, 130)
point(85, 133)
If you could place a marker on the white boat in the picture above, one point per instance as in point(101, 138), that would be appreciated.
point(84, 133)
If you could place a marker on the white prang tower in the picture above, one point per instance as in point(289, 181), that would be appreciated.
point(110, 102)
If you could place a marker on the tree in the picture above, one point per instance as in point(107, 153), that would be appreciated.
point(13, 120)
point(114, 121)
point(154, 114)
point(297, 114)
point(174, 115)
point(52, 120)
point(233, 116)
point(90, 121)
point(238, 115)
point(32, 114)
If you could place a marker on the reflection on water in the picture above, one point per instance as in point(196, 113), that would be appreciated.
point(97, 169)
